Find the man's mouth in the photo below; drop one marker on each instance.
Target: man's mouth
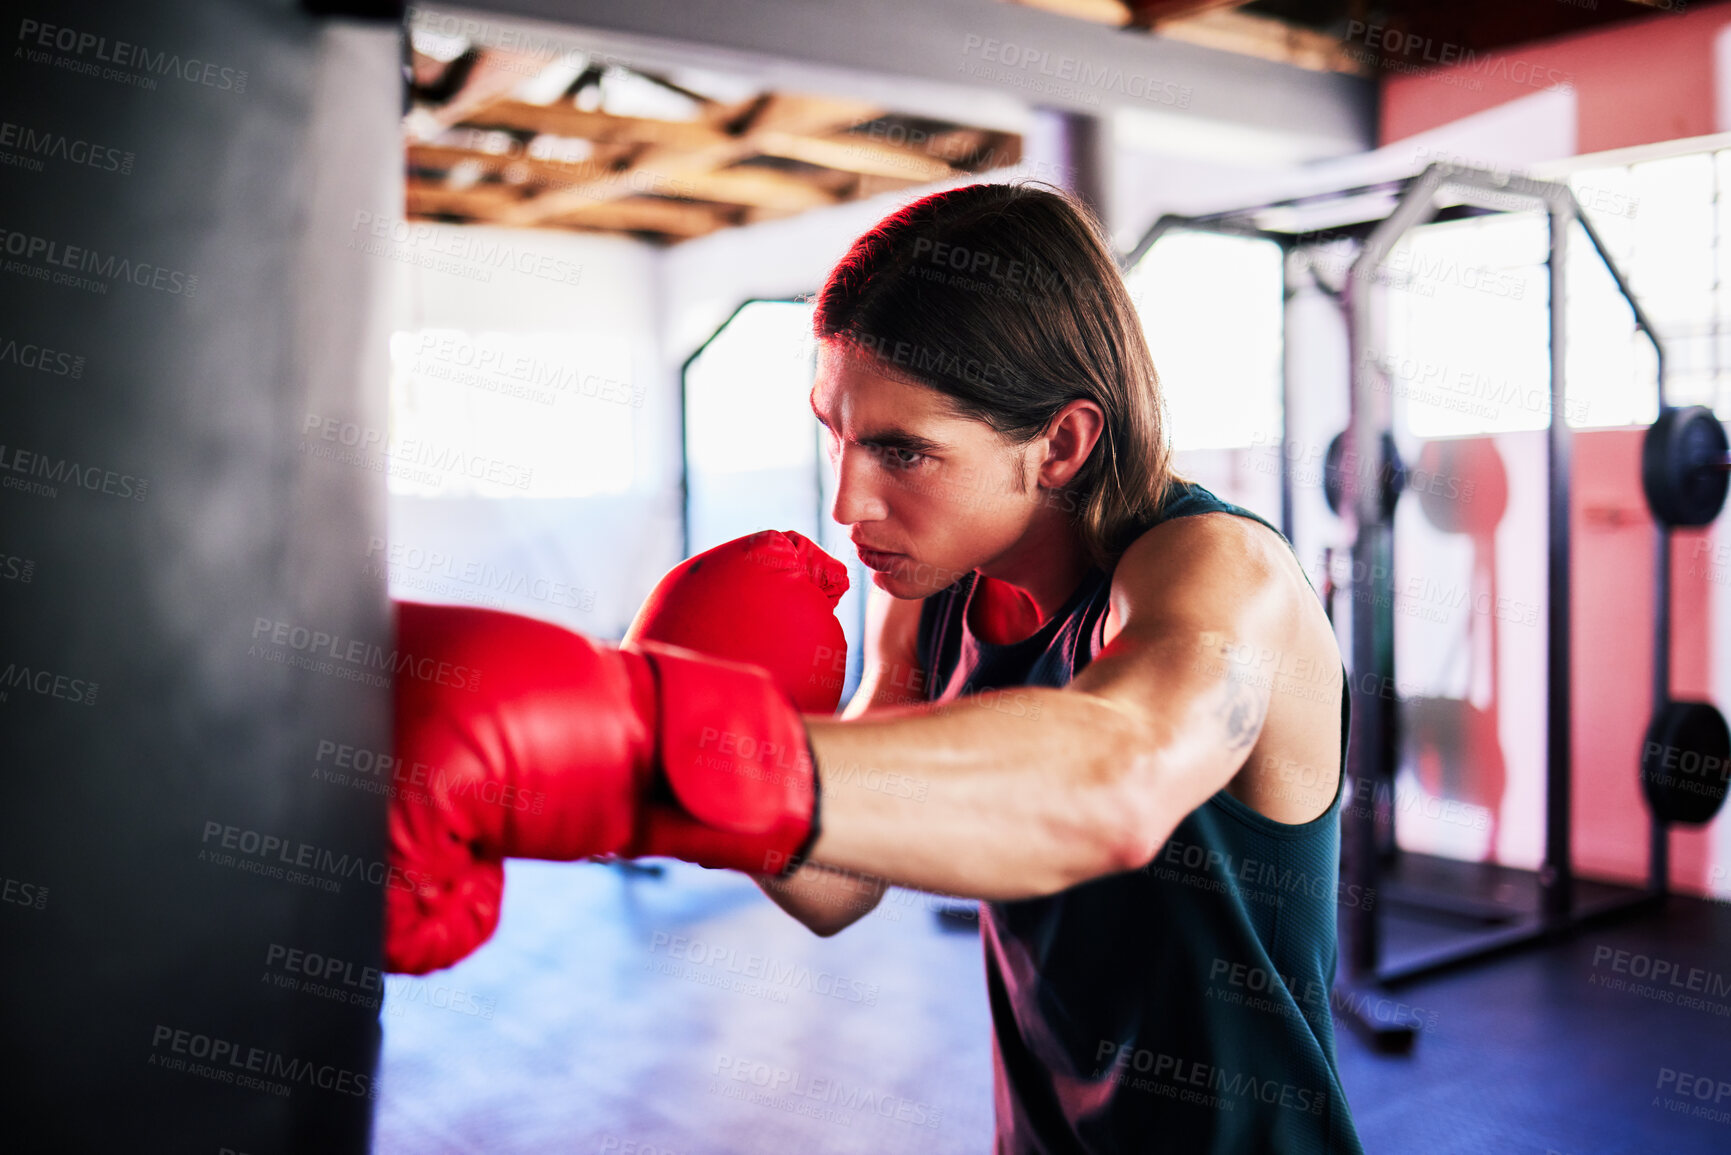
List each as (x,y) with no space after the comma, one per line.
(878,560)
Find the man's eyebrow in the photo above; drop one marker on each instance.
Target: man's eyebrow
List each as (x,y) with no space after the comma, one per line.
(889,437)
(893,438)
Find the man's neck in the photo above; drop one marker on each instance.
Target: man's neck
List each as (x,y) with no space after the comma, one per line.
(1031,581)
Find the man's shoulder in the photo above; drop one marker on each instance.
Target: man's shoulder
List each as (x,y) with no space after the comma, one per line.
(1207,537)
(1209,569)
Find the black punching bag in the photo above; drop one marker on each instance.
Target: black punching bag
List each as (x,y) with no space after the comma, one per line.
(190,905)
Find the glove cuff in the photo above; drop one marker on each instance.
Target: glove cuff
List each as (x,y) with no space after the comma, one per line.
(737,764)
(804,851)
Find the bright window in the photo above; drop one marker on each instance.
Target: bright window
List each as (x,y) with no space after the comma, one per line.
(1211,307)
(1611,367)
(1468,342)
(751,441)
(511,414)
(1473,359)
(745,393)
(1668,224)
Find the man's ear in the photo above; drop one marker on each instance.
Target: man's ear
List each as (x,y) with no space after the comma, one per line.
(1070,437)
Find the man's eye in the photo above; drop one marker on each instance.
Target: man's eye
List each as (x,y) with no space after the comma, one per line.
(902,458)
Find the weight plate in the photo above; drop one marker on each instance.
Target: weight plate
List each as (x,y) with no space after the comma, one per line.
(1685,762)
(1334,473)
(1678,459)
(1462,485)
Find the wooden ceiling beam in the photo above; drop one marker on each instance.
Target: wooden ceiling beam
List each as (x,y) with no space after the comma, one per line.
(483,203)
(603,127)
(781,114)
(668,218)
(976,149)
(1112,12)
(856,154)
(695,153)
(757,187)
(1153,13)
(493,78)
(804,115)
(514,169)
(530,174)
(666,171)
(1268,39)
(674,179)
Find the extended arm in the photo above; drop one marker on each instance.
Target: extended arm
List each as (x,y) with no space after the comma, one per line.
(1029,791)
(825,898)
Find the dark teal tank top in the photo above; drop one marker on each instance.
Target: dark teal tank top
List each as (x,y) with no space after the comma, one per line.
(1183,1007)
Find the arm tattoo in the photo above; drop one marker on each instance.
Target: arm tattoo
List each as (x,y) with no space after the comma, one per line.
(1242,711)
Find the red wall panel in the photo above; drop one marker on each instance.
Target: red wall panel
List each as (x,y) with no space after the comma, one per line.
(1635,83)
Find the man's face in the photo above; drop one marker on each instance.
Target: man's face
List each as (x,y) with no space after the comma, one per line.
(928,495)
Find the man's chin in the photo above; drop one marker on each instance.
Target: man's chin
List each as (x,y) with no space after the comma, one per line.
(890,584)
(905,581)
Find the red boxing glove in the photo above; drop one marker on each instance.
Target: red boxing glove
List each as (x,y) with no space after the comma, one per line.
(767,599)
(536,742)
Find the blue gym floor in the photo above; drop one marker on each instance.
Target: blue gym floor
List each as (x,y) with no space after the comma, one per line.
(685,1015)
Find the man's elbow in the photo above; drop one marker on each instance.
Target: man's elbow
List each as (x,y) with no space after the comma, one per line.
(1139,821)
(1137,845)
(1122,826)
(823,923)
(828,926)
(1112,846)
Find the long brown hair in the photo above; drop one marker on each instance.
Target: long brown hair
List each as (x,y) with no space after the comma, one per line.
(1006,299)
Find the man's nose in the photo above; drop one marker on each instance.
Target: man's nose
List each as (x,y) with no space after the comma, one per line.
(856,495)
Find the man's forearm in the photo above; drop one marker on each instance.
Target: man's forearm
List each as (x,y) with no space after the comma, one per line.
(1007,794)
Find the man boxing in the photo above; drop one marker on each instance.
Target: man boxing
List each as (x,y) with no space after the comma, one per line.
(1120,698)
